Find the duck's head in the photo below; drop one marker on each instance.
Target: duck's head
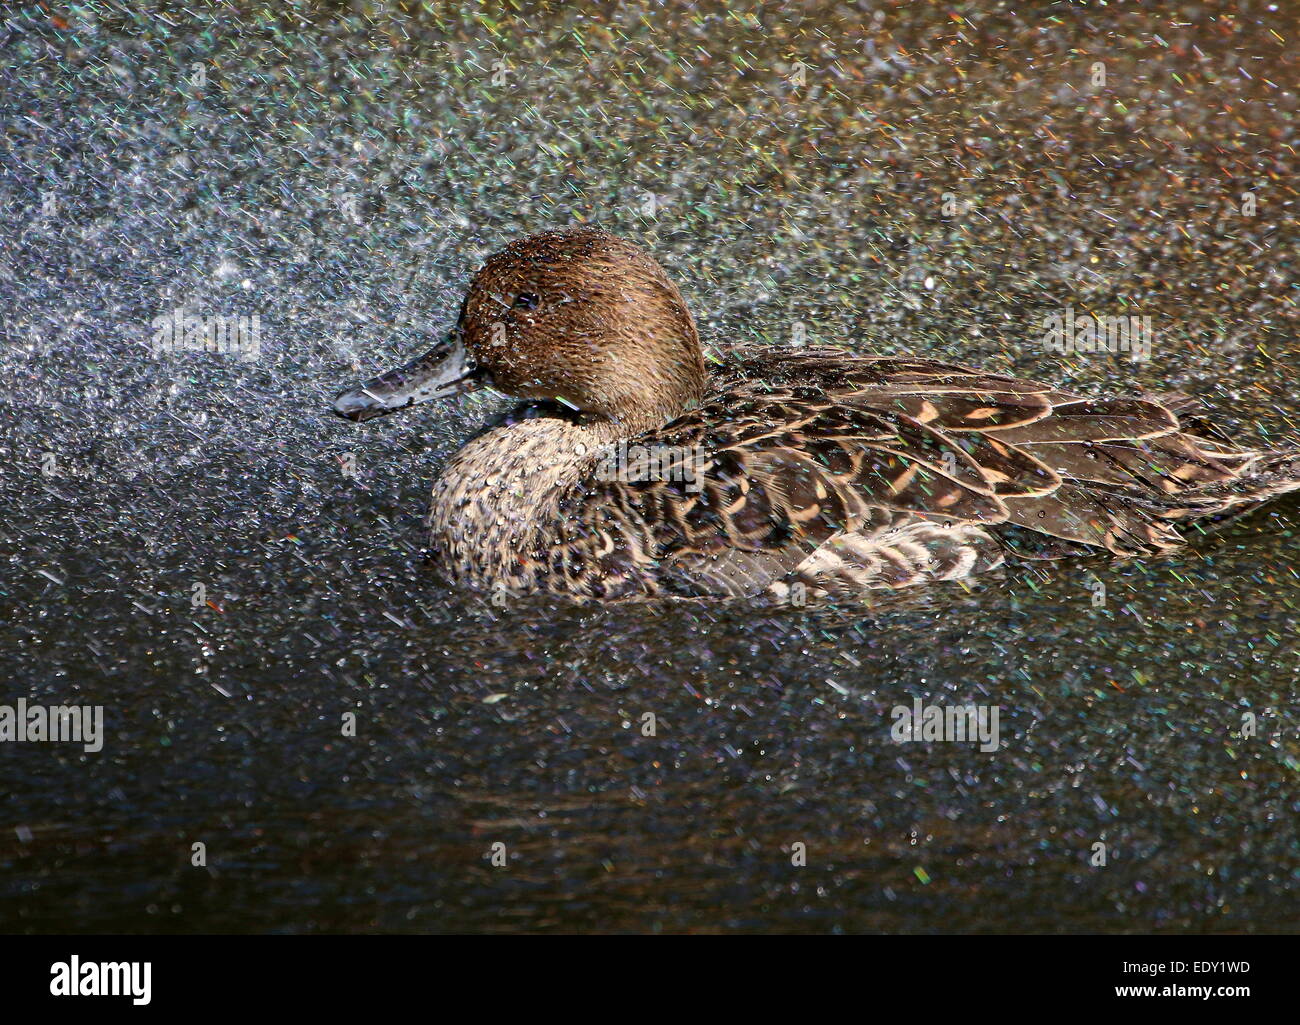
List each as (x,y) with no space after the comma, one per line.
(579,316)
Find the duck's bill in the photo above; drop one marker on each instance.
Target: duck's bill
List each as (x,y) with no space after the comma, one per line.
(442,371)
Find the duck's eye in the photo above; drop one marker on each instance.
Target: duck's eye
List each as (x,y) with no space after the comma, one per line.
(526,301)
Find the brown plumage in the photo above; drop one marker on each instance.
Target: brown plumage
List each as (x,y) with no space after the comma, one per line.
(794,473)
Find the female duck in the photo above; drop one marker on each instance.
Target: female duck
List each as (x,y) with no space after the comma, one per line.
(632,474)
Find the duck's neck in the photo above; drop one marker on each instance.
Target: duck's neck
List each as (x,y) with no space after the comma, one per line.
(498,497)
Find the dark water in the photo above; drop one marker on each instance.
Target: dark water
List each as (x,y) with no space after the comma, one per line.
(938,182)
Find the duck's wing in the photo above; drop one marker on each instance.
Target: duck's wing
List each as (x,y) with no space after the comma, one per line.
(909,467)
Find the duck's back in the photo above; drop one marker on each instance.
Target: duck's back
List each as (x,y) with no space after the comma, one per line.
(816,470)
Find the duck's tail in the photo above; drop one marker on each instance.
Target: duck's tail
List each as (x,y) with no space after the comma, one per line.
(1261,479)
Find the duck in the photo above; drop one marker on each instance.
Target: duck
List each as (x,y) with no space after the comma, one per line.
(632,470)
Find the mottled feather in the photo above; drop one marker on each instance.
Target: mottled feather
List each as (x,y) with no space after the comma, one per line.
(840,473)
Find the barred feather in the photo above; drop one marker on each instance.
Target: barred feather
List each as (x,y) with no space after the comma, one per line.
(847,473)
